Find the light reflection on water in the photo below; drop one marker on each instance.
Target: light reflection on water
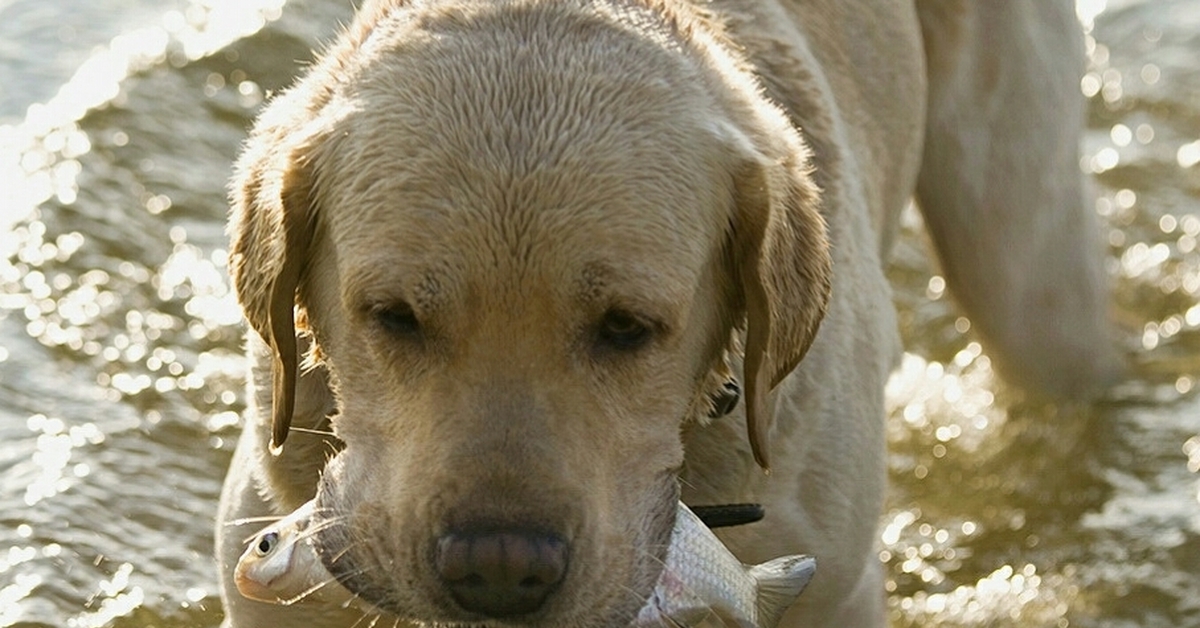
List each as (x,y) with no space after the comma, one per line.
(1004,513)
(120,370)
(121,375)
(38,156)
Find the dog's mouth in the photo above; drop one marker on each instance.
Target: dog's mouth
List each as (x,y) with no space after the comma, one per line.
(491,575)
(344,549)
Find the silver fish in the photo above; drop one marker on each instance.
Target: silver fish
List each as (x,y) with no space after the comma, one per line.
(281,564)
(702,582)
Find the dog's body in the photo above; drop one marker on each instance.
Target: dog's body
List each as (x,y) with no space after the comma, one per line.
(528,240)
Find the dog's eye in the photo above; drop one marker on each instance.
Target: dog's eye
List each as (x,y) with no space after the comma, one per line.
(623,331)
(396,318)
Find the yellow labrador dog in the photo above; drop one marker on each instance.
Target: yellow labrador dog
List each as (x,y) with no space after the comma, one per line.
(507,262)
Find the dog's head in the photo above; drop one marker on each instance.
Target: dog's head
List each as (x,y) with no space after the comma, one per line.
(522,235)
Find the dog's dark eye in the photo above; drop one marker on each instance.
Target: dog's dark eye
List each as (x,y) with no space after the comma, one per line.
(396,318)
(623,331)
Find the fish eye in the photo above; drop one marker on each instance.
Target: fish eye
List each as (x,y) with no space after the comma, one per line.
(266,543)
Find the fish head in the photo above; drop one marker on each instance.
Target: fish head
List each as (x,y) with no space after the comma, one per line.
(267,559)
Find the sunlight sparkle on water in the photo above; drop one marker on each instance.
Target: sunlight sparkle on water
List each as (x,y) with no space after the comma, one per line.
(117,599)
(1087,10)
(38,156)
(1191,449)
(1188,154)
(12,595)
(1104,160)
(1005,593)
(950,402)
(50,462)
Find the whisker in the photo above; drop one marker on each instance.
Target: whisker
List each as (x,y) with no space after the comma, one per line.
(363,618)
(324,524)
(372,614)
(342,553)
(648,554)
(318,524)
(309,430)
(632,593)
(668,621)
(250,539)
(317,587)
(665,621)
(329,523)
(248,520)
(356,597)
(268,519)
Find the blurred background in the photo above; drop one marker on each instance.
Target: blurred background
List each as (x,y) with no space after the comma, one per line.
(121,378)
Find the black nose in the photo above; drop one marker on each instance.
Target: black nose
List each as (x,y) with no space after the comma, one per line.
(501,572)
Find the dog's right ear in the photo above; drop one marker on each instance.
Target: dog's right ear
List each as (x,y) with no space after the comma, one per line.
(271,230)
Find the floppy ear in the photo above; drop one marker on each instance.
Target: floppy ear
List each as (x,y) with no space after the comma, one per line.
(783,265)
(271,230)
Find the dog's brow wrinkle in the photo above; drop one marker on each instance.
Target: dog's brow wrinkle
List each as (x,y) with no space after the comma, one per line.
(592,282)
(428,291)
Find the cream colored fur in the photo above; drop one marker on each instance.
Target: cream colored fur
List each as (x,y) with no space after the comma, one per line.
(460,195)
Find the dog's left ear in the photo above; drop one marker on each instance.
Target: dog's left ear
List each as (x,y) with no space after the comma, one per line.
(783,265)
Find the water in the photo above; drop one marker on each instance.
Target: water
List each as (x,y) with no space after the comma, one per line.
(121,377)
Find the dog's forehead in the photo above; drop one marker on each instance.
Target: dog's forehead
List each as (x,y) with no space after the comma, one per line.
(498,96)
(485,152)
(534,236)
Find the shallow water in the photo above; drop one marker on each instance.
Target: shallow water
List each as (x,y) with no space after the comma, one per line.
(121,378)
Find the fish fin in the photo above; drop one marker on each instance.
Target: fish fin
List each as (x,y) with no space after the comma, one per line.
(780,582)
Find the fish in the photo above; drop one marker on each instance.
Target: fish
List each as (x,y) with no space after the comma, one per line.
(702,583)
(281,564)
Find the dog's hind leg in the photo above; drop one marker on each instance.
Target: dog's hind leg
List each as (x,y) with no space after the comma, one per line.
(1001,189)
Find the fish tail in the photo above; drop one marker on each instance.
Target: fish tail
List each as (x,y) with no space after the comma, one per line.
(780,582)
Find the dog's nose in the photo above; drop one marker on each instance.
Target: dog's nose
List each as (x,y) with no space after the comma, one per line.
(501,572)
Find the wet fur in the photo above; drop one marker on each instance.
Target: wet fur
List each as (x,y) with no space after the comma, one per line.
(713,172)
